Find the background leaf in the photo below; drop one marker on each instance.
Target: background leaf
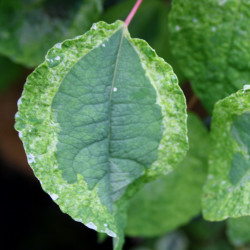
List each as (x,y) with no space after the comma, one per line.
(227,189)
(166,203)
(28,28)
(238,230)
(210,39)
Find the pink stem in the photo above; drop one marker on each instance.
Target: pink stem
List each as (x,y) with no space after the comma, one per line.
(132,12)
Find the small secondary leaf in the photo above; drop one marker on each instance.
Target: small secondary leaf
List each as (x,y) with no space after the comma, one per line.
(171,201)
(28,28)
(210,39)
(102,114)
(227,190)
(239,230)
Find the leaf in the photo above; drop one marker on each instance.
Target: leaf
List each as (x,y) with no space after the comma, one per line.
(100,116)
(203,232)
(227,189)
(210,39)
(166,203)
(9,72)
(150,23)
(238,230)
(28,28)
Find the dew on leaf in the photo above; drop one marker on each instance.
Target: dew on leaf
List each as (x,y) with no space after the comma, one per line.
(94,26)
(222,2)
(30,158)
(19,101)
(58,45)
(91,225)
(110,233)
(246,87)
(177,27)
(53,61)
(54,197)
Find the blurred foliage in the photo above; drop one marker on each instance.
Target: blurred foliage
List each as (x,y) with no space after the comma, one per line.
(28,28)
(239,231)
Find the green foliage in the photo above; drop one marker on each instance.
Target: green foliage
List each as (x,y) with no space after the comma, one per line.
(103,119)
(98,132)
(28,28)
(239,230)
(177,197)
(210,39)
(226,193)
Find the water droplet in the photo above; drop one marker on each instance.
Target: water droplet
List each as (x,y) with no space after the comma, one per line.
(54,196)
(246,87)
(94,26)
(30,158)
(177,28)
(114,89)
(222,2)
(53,61)
(19,102)
(91,225)
(58,45)
(110,233)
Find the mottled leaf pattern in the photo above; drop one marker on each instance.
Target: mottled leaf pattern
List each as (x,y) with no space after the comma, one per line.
(100,116)
(227,190)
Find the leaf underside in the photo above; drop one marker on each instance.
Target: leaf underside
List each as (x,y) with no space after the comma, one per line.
(226,193)
(100,115)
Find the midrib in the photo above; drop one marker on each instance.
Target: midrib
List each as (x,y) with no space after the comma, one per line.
(110,97)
